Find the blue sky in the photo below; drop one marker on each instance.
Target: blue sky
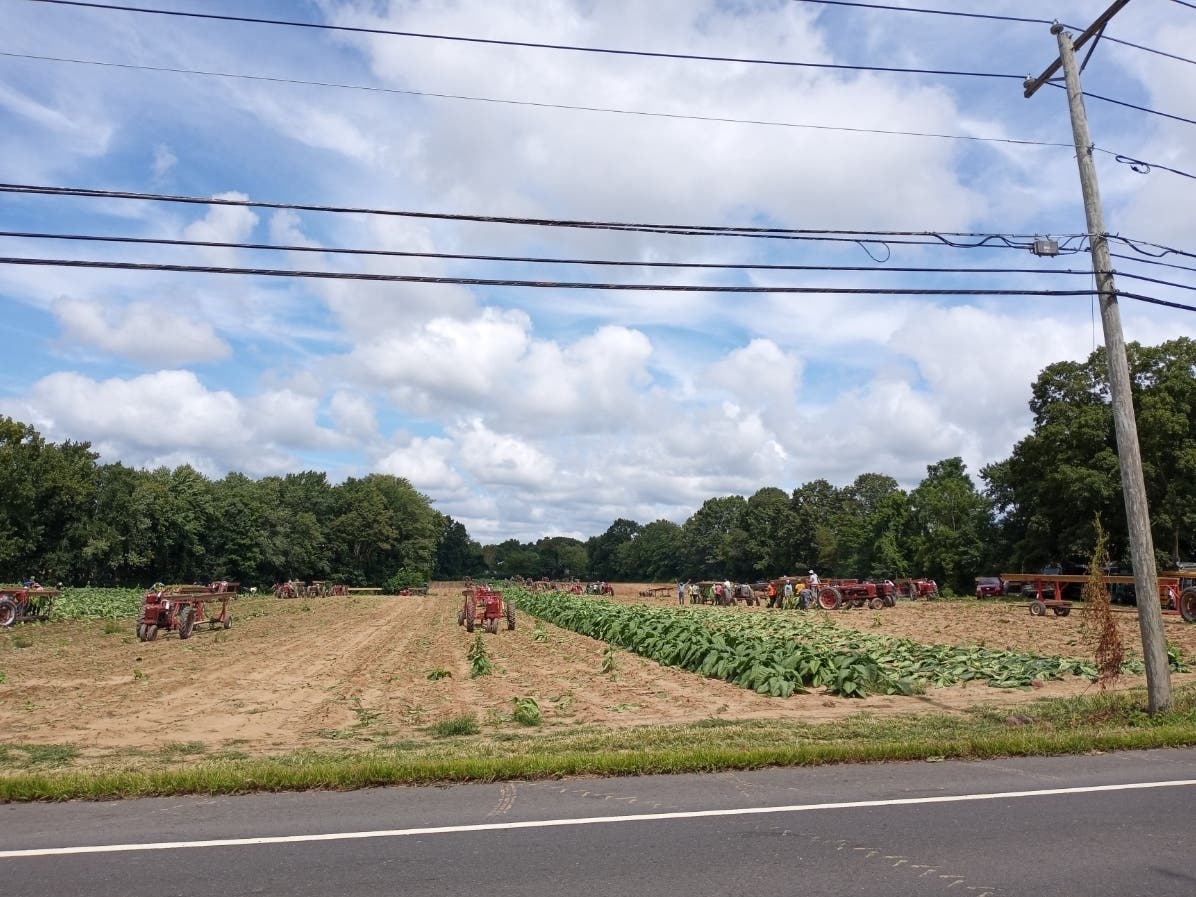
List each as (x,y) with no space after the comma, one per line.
(534,412)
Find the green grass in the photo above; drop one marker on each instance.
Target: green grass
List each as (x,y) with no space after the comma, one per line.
(458,752)
(466,724)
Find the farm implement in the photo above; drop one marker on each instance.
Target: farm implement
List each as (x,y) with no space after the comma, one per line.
(1177,591)
(21,603)
(182,608)
(485,607)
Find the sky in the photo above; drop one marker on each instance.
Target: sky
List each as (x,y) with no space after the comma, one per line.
(532,412)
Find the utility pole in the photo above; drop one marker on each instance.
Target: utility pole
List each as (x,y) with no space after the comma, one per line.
(1133,483)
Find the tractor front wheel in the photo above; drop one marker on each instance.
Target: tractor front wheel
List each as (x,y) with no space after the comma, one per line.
(141,632)
(1187,604)
(186,622)
(876,603)
(151,632)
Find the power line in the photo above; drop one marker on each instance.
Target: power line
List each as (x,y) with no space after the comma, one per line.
(931,238)
(530,284)
(625,263)
(1141,166)
(936,12)
(1186,3)
(1155,262)
(531,44)
(1128,105)
(568,285)
(999,18)
(541,105)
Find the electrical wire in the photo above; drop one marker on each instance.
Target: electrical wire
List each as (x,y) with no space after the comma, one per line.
(1155,262)
(1187,4)
(540,105)
(625,263)
(999,18)
(532,44)
(530,284)
(1128,105)
(1141,166)
(567,285)
(923,238)
(1164,251)
(935,12)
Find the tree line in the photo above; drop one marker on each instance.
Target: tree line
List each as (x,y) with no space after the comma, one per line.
(65,516)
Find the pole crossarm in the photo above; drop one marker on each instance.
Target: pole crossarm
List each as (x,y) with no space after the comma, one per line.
(1032,84)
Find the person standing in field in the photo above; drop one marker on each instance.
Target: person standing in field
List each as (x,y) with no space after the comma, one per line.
(787,593)
(772,594)
(681,587)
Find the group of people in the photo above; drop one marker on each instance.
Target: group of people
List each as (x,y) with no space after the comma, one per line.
(726,593)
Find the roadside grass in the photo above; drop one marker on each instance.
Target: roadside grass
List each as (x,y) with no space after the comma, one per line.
(1095,723)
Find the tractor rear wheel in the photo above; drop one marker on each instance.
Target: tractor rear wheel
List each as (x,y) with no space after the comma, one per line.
(830,598)
(1037,608)
(8,611)
(1187,604)
(186,622)
(471,612)
(151,632)
(509,611)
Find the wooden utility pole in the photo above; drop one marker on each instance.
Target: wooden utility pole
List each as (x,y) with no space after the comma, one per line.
(1133,483)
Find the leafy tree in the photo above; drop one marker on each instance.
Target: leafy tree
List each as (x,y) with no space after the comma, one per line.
(655,554)
(948,518)
(561,556)
(458,555)
(601,549)
(767,520)
(715,541)
(814,538)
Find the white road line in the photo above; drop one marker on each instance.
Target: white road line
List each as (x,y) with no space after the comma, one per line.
(588,820)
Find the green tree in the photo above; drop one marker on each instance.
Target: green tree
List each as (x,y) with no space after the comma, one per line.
(768,521)
(948,518)
(458,555)
(715,542)
(601,549)
(655,553)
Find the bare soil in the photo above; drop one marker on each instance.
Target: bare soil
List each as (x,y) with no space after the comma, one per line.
(319,673)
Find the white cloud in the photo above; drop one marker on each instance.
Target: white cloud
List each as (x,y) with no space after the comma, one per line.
(164,160)
(140,332)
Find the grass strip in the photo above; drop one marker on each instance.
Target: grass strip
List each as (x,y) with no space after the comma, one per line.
(1052,727)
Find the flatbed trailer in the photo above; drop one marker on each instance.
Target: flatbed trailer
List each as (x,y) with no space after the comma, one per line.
(1177,591)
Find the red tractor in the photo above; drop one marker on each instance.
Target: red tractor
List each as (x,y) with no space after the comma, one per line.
(838,593)
(19,603)
(182,608)
(485,606)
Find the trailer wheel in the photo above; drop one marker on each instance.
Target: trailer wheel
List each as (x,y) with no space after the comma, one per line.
(470,614)
(1187,604)
(186,622)
(876,603)
(830,598)
(151,632)
(1037,608)
(8,611)
(509,609)
(1061,611)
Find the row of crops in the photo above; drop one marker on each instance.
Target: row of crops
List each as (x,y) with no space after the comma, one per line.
(781,654)
(93,603)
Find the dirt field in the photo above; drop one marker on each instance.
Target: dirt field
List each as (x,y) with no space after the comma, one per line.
(354,673)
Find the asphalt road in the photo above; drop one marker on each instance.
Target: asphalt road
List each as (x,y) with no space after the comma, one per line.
(1053,826)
